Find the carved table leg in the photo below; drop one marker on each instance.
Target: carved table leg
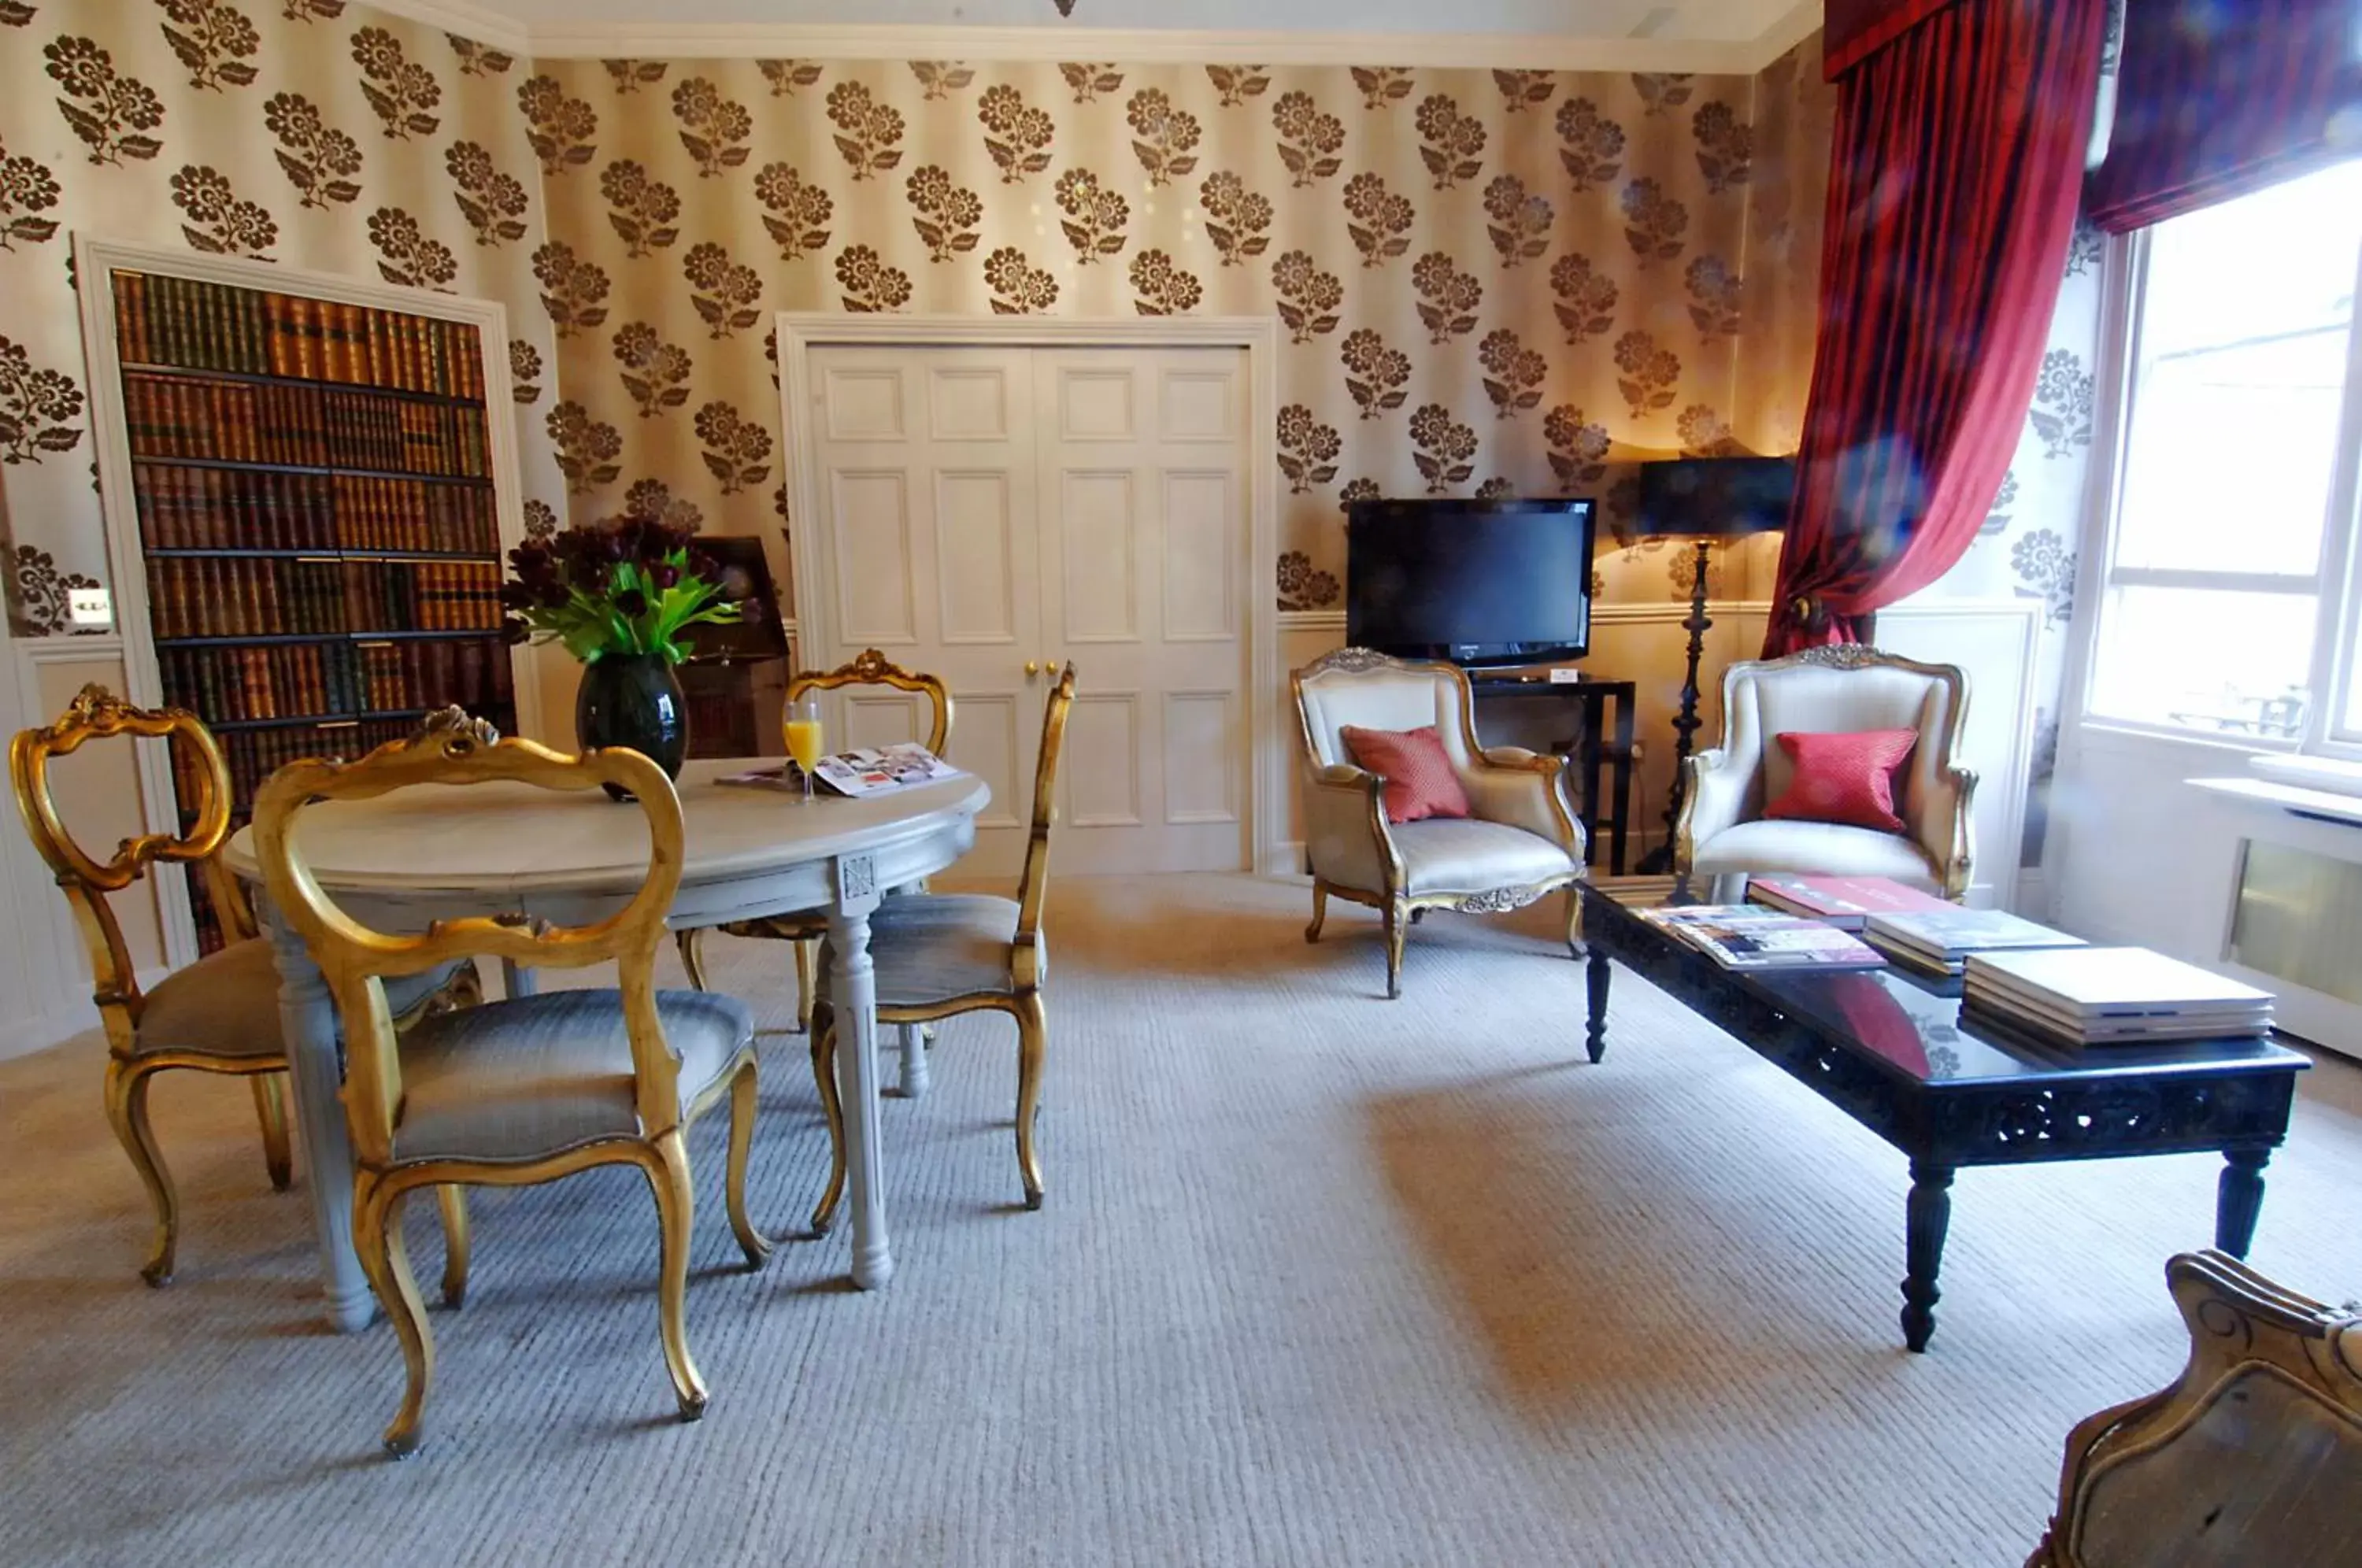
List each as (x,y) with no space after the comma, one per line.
(1927,1215)
(914,1062)
(307,1019)
(2239,1198)
(853,987)
(1594,964)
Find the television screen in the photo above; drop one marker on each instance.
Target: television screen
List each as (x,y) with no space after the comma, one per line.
(1474,581)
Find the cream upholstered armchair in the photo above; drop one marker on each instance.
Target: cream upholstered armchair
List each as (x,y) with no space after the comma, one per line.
(1522,842)
(1722,830)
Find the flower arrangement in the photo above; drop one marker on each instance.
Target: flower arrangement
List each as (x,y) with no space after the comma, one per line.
(626,585)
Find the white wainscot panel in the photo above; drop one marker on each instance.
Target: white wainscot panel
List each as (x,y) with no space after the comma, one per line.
(871,513)
(1101,766)
(1196,406)
(1201,549)
(1200,745)
(1095,405)
(887,717)
(976,573)
(1097,522)
(984,740)
(865,404)
(968,403)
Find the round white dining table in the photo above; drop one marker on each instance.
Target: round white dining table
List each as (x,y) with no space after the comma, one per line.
(441,851)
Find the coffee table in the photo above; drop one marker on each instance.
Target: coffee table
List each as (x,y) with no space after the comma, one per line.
(1889,1049)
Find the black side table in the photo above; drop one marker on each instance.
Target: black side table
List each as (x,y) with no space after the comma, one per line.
(1588,751)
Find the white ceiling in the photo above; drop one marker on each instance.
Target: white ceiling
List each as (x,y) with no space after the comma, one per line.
(1701,35)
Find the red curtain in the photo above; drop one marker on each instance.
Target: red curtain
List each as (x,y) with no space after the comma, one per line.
(2217,99)
(1853,30)
(1958,162)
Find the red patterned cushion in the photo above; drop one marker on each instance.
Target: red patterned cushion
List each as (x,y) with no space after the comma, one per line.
(1421,781)
(1847,778)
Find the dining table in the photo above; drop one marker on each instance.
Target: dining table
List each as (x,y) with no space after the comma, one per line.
(405,859)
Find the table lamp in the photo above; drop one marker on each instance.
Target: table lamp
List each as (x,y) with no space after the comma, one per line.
(1705,499)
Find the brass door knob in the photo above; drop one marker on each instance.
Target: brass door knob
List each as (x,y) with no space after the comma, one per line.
(1032,667)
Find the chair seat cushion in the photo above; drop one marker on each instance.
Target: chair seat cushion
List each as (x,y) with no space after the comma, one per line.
(227,1003)
(931,947)
(1826,849)
(518,1080)
(1466,855)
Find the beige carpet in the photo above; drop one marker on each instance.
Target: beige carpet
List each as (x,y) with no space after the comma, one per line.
(1320,1279)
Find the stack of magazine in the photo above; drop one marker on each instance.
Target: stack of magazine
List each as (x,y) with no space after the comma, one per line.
(2101,996)
(1747,937)
(1939,942)
(868,770)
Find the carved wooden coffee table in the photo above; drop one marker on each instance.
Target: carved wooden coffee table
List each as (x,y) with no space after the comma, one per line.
(1890,1051)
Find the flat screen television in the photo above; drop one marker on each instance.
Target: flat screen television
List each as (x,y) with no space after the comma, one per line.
(1475,582)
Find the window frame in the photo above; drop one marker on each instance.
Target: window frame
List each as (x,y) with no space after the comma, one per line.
(2335,582)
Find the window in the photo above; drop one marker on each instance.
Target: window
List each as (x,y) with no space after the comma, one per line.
(2226,606)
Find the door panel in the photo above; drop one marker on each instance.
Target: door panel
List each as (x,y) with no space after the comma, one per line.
(992,509)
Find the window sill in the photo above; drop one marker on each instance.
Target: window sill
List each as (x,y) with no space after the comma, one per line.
(2320,774)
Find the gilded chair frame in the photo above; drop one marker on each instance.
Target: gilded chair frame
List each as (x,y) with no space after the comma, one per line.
(454,750)
(2242,1326)
(88,885)
(1400,908)
(806,927)
(1954,873)
(1024,1000)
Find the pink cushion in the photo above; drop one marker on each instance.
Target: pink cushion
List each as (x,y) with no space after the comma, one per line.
(1847,778)
(1421,780)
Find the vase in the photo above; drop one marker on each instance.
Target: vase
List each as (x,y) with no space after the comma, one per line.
(635,701)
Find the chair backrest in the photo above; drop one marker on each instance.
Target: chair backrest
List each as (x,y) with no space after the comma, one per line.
(874,668)
(97,713)
(1373,691)
(1034,886)
(2253,1455)
(454,749)
(1843,688)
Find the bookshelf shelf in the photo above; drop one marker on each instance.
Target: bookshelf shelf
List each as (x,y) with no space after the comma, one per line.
(311,484)
(263,379)
(244,465)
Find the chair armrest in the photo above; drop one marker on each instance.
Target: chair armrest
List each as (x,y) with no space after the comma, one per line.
(1345,831)
(1948,830)
(1527,789)
(1714,796)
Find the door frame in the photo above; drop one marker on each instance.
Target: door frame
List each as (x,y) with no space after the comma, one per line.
(803,331)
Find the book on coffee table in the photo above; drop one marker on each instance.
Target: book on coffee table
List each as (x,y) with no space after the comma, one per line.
(1938,941)
(1747,937)
(1846,902)
(2096,996)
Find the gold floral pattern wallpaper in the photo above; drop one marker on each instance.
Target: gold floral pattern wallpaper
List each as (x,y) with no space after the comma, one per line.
(1487,282)
(311,133)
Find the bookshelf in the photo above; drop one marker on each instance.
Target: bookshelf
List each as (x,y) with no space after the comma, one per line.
(310,486)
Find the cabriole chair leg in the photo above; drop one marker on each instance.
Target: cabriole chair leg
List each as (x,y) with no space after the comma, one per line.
(1033,1038)
(126,1112)
(271,1110)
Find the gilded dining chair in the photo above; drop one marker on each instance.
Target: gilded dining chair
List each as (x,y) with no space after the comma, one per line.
(219,1014)
(939,954)
(522,1091)
(806,927)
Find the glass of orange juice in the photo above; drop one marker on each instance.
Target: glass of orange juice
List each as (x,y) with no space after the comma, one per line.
(804,738)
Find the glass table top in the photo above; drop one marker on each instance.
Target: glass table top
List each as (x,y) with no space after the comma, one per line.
(1911,1025)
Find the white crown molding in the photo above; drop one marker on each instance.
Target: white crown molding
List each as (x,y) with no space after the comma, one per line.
(1142,46)
(480,23)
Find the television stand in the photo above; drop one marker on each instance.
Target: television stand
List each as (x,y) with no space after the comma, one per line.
(1586,752)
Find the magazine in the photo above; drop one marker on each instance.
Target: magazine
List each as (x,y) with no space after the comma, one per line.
(1846,902)
(881,771)
(866,770)
(1749,937)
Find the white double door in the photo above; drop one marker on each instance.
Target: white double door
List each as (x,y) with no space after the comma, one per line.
(992,514)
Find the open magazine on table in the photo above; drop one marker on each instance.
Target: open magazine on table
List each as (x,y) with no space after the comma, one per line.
(863,771)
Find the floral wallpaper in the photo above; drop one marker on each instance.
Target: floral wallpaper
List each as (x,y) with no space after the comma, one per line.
(320,135)
(1487,282)
(2027,548)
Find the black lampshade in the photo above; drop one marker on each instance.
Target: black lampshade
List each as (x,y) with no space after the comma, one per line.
(1715,497)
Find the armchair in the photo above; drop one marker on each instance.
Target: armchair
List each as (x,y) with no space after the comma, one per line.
(1722,830)
(1524,840)
(2253,1455)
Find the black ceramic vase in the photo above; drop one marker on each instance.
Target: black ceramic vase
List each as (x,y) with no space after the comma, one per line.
(634,700)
